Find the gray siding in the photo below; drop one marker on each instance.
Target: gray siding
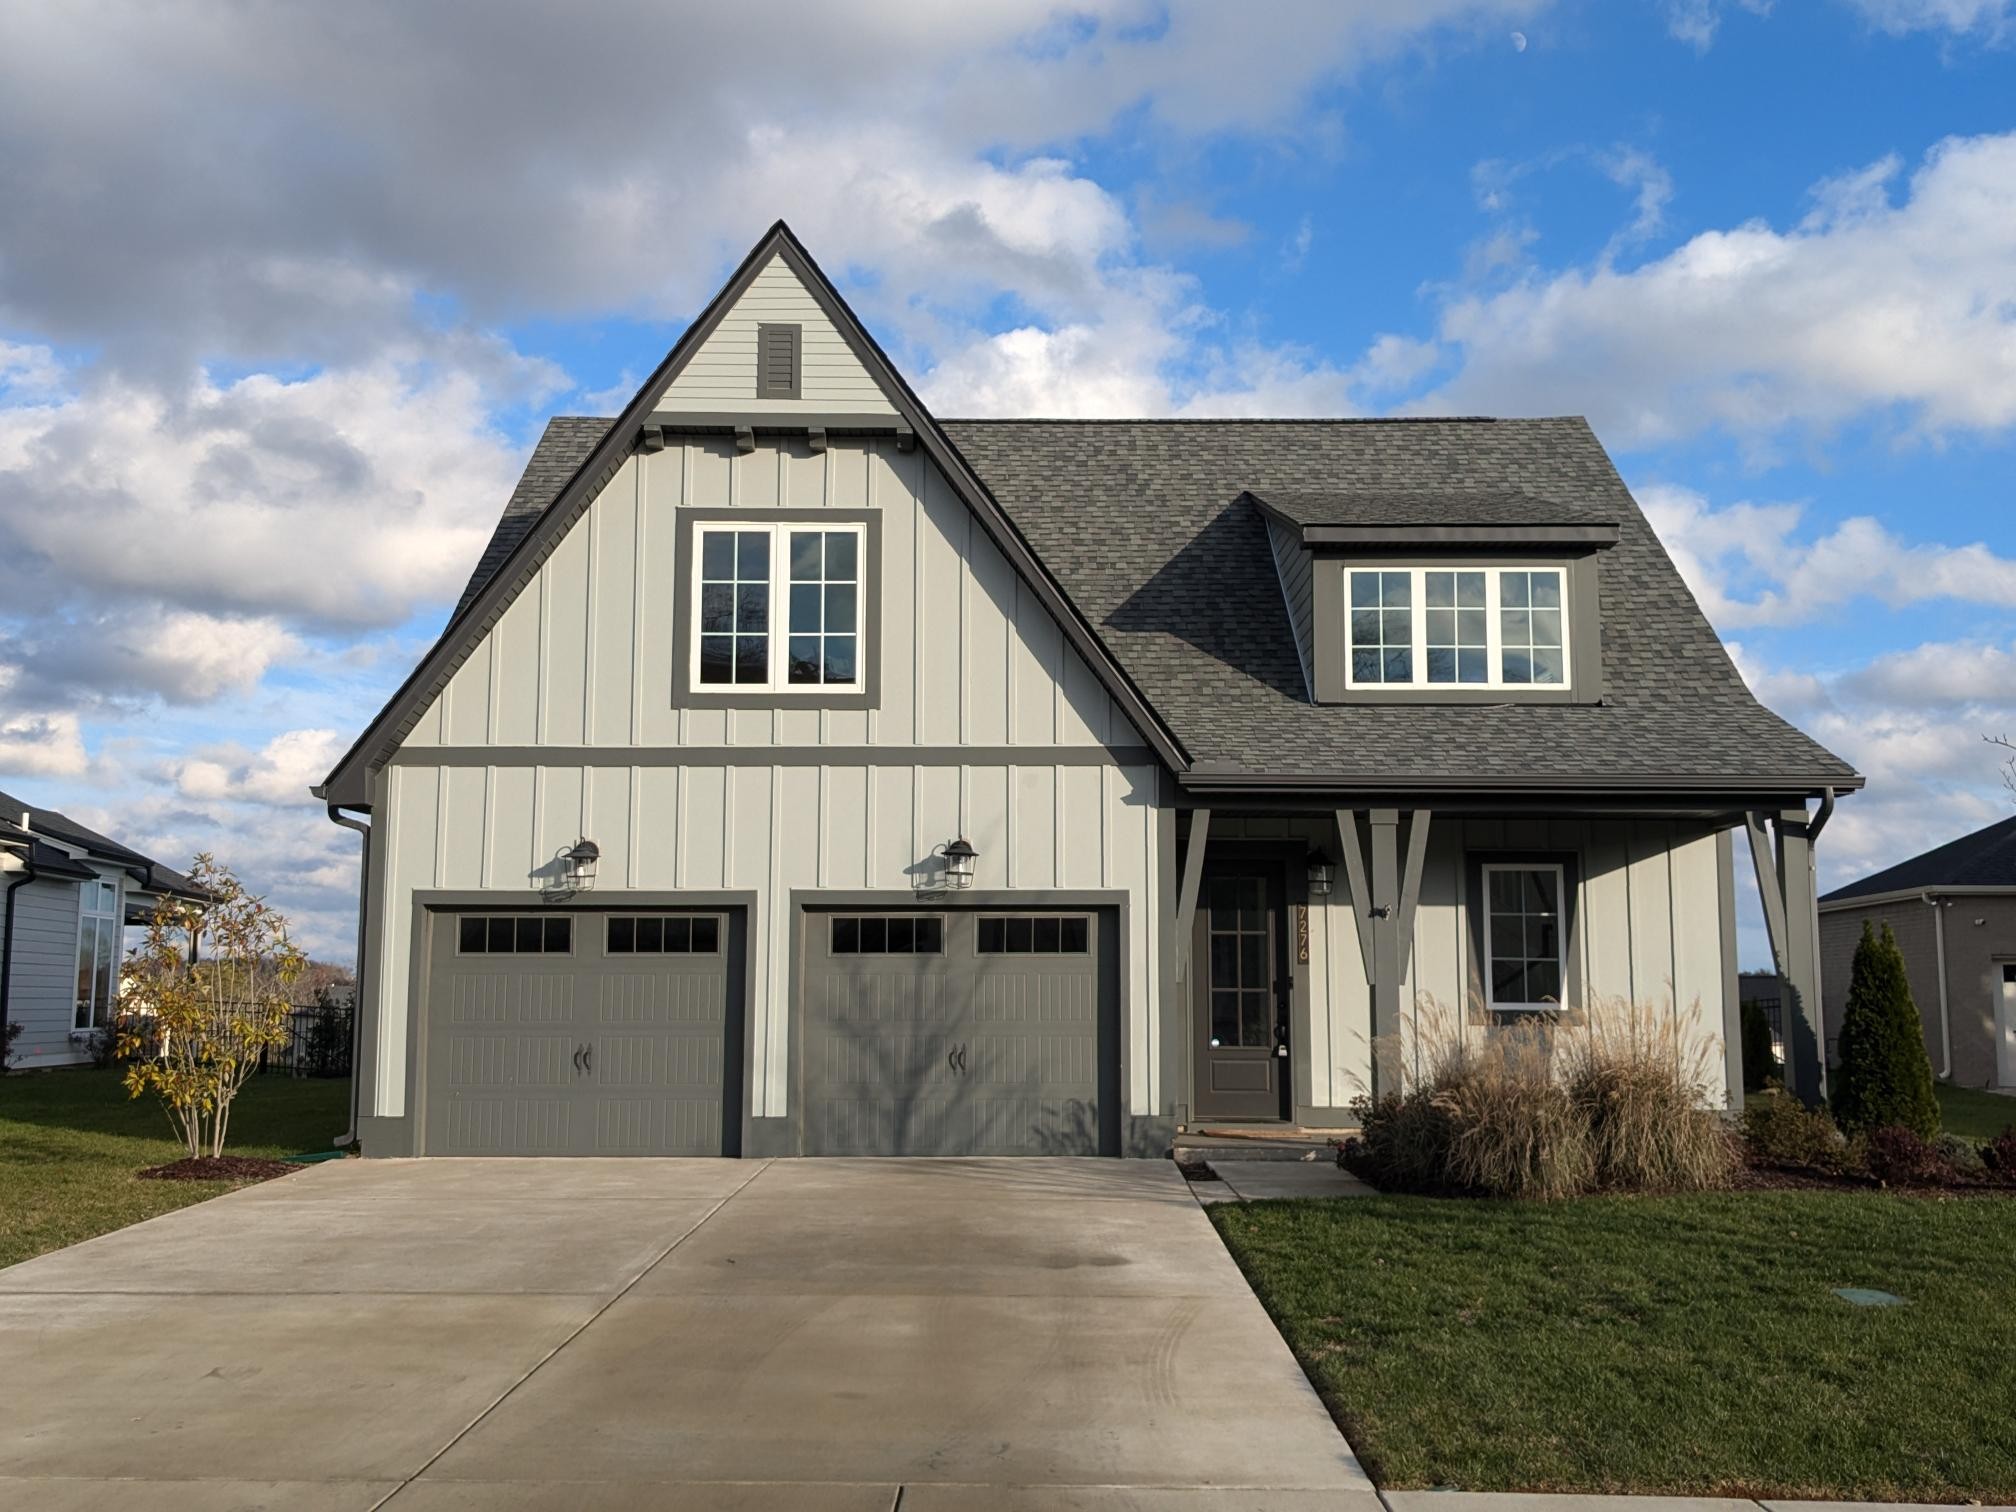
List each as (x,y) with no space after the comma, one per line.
(1650,932)
(1980,939)
(969,656)
(1292,561)
(722,374)
(44,972)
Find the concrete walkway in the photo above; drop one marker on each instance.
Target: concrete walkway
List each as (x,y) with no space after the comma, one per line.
(526,1335)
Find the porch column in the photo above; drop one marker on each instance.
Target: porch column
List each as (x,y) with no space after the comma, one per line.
(1384,918)
(1805,1044)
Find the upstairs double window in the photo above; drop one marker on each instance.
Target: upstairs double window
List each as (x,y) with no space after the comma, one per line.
(778,608)
(1478,627)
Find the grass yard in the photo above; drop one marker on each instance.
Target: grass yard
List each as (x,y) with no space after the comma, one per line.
(1970,1111)
(1686,1345)
(70,1142)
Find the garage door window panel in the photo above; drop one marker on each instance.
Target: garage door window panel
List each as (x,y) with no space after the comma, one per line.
(482,934)
(903,934)
(1035,934)
(664,934)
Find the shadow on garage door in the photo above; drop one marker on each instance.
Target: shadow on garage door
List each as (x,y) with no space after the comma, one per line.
(959,1031)
(577,1031)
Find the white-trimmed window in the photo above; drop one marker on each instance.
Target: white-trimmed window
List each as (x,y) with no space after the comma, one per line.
(777,608)
(98,952)
(1522,931)
(1477,627)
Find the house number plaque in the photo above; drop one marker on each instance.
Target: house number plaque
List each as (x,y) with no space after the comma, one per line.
(1302,934)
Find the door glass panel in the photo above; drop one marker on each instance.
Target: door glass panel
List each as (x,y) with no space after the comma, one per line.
(1242,1008)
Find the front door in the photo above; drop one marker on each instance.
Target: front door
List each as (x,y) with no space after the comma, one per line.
(1241,998)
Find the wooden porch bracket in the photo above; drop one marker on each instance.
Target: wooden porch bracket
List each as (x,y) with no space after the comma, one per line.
(1354,877)
(1786,884)
(1410,883)
(1186,894)
(1769,889)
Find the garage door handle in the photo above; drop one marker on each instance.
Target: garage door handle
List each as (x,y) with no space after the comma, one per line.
(579,1051)
(588,1058)
(956,1059)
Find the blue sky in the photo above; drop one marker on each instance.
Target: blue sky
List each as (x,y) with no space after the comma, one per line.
(285,298)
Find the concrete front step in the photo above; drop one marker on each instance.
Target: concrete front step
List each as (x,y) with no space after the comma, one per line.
(1299,1144)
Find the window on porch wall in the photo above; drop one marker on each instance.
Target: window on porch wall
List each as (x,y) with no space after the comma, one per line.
(1523,935)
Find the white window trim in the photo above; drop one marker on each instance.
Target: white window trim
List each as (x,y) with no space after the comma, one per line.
(778,682)
(101,1013)
(1560,939)
(1494,646)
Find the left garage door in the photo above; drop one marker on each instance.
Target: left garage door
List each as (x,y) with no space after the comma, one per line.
(581,1032)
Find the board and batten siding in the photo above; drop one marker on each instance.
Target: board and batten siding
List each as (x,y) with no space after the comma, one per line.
(43,968)
(721,376)
(773,830)
(583,656)
(1649,931)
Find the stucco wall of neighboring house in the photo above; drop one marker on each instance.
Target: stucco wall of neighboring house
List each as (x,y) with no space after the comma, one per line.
(1647,928)
(564,723)
(43,972)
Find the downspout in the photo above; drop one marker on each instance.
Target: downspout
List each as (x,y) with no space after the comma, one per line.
(26,875)
(1945,1011)
(349,1137)
(1820,817)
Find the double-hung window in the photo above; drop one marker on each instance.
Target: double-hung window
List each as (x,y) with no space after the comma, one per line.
(98,941)
(1523,907)
(778,607)
(1476,627)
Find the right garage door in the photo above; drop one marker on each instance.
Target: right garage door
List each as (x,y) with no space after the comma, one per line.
(965,1032)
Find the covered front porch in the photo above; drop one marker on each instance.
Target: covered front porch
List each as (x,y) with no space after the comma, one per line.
(1317,949)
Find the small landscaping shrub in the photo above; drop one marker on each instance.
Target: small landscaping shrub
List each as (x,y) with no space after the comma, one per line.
(1899,1157)
(1631,1077)
(1402,1144)
(1761,1066)
(1962,1155)
(1885,1078)
(13,1033)
(2000,1154)
(1781,1130)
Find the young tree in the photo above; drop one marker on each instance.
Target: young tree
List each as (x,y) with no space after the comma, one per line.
(1885,1078)
(206,993)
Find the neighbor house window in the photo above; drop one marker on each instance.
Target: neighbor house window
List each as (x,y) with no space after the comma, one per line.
(97,953)
(1479,627)
(778,608)
(1523,935)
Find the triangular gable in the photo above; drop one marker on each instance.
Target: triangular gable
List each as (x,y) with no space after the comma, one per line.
(662,393)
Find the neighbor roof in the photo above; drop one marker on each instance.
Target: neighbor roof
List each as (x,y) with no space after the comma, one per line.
(1986,858)
(48,824)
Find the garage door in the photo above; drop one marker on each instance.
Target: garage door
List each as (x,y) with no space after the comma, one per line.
(958,1033)
(582,1033)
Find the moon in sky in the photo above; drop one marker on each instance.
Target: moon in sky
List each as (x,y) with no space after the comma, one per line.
(1518,41)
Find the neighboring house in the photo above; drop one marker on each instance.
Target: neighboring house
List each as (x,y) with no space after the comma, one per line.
(70,894)
(1953,910)
(1253,739)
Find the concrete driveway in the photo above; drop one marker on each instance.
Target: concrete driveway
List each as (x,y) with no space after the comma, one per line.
(518,1335)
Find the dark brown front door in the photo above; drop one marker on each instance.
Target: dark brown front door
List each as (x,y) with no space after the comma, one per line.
(1242,1009)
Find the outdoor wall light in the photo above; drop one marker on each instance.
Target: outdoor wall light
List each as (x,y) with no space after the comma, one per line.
(959,858)
(581,862)
(1320,867)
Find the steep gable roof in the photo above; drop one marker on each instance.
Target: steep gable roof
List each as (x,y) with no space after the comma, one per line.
(1986,858)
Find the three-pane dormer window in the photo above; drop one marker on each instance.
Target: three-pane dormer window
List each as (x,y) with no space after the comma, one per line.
(1480,627)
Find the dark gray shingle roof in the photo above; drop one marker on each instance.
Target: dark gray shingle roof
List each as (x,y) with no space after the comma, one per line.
(1432,506)
(1986,858)
(557,457)
(1144,525)
(56,826)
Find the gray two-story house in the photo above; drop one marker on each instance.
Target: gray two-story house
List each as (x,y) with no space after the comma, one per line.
(803,774)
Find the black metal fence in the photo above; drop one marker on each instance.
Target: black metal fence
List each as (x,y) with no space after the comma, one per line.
(317,1043)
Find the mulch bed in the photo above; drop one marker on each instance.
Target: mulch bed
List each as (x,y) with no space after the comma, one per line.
(1780,1178)
(220,1168)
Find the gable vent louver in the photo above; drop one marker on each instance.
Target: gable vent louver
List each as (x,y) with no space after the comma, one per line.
(777,351)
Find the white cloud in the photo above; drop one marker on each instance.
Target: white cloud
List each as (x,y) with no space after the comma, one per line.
(279,774)
(1696,22)
(1868,305)
(46,744)
(1992,20)
(1748,565)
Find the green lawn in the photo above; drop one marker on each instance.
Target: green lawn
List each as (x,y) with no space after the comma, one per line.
(1970,1111)
(1686,1345)
(70,1142)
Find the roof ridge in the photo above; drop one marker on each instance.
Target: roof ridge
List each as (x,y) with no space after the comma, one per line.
(1248,419)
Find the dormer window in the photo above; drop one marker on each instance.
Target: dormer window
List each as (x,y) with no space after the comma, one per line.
(1479,627)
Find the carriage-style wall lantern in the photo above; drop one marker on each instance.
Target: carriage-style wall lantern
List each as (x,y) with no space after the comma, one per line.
(959,858)
(581,863)
(1320,868)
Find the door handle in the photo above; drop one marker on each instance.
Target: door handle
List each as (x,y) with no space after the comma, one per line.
(577,1058)
(588,1058)
(955,1060)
